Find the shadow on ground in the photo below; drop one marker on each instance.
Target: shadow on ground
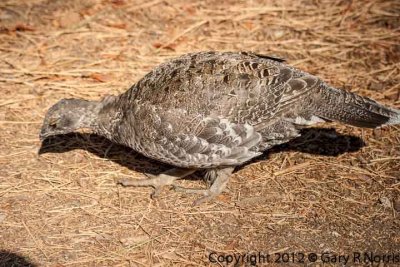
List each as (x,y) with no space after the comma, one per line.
(11,259)
(318,141)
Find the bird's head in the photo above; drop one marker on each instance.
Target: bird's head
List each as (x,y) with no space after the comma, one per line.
(66,116)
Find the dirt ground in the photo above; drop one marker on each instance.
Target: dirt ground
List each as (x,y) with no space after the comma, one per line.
(334,191)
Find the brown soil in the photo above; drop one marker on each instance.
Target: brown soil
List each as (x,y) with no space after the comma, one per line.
(326,192)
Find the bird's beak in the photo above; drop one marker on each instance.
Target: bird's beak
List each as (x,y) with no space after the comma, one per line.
(43,135)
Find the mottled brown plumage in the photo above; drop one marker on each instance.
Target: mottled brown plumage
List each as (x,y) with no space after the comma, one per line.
(214,111)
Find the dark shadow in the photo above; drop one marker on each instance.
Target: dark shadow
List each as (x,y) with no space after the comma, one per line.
(102,148)
(11,259)
(319,141)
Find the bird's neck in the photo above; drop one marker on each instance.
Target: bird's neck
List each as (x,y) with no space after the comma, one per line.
(89,117)
(106,115)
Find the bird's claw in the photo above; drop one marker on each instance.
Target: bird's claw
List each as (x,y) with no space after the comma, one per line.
(156,192)
(208,194)
(158,182)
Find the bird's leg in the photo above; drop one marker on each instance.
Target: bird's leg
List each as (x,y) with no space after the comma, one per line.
(158,181)
(218,185)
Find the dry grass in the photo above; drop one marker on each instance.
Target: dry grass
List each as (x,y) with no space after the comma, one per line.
(64,209)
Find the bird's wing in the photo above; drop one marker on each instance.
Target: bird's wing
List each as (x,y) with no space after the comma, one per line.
(242,87)
(270,91)
(201,142)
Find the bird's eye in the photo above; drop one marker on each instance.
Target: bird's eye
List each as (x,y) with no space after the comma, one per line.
(53,122)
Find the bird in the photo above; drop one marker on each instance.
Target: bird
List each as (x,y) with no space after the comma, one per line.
(213,111)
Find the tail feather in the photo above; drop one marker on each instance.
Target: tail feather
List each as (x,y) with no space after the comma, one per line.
(350,108)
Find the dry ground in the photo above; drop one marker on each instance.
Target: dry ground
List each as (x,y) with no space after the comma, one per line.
(324,192)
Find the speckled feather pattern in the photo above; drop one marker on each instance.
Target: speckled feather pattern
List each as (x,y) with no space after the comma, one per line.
(211,109)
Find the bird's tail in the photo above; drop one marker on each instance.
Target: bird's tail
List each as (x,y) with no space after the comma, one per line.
(340,105)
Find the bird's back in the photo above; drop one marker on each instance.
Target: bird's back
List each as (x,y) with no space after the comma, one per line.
(211,83)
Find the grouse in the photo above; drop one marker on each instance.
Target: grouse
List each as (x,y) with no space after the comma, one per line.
(213,111)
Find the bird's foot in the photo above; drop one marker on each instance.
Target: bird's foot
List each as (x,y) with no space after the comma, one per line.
(208,194)
(158,182)
(215,189)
